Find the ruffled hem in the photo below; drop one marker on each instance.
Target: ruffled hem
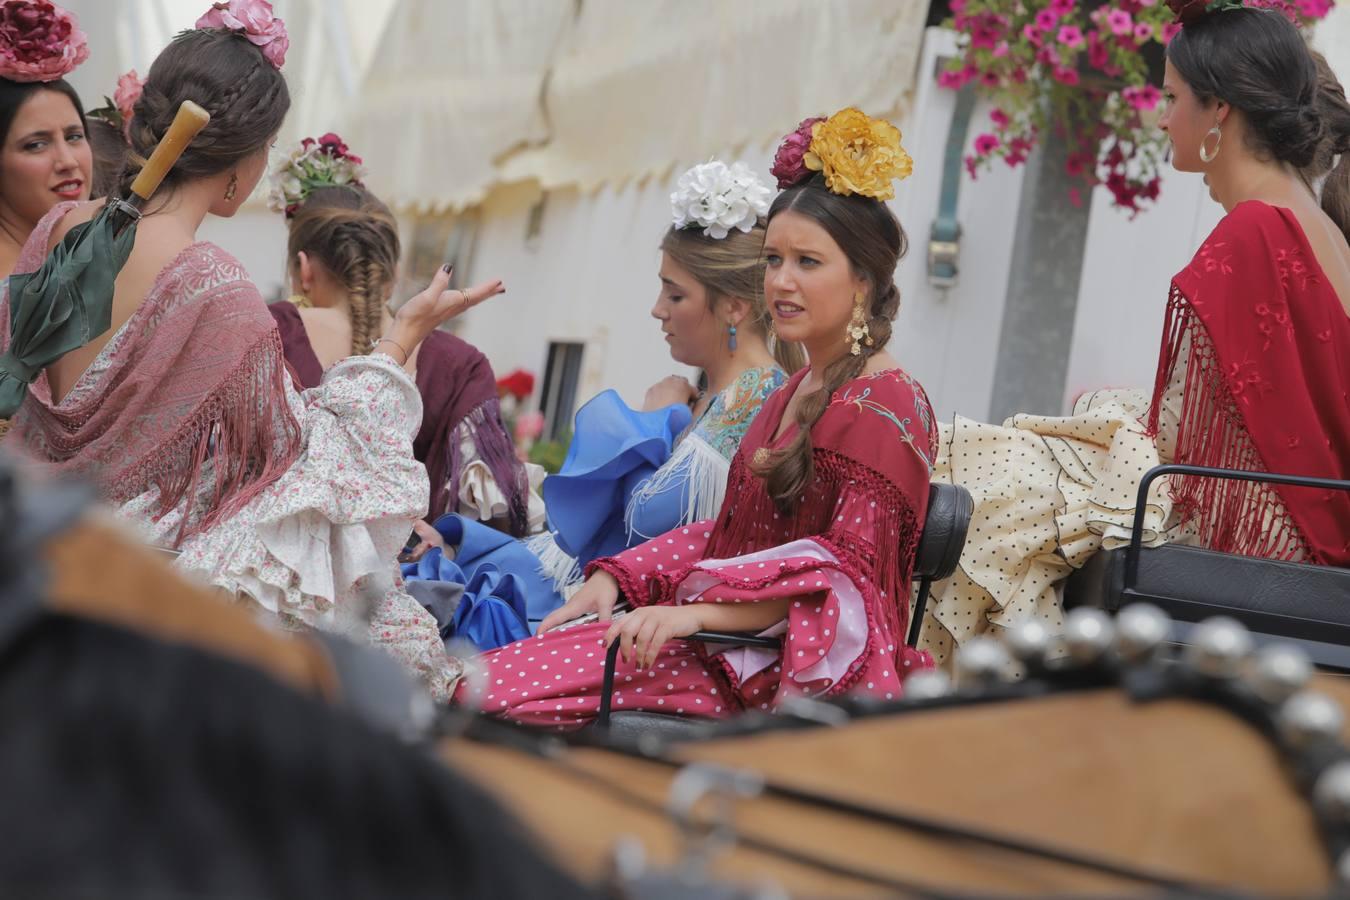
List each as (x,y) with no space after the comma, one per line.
(1049,492)
(317,547)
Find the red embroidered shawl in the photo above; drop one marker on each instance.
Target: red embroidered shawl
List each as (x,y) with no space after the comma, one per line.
(1267,387)
(196,380)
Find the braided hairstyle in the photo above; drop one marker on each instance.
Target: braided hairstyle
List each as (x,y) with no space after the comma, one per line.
(732,266)
(354,236)
(229,77)
(1257,61)
(871,237)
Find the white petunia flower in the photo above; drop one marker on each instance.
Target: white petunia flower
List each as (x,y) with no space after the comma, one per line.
(718,198)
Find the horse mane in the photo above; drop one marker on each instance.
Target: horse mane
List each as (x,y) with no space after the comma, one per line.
(136,768)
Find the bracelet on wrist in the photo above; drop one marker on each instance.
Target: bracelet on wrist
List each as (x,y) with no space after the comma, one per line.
(385,340)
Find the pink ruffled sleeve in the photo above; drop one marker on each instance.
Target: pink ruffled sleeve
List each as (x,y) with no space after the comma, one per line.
(644,571)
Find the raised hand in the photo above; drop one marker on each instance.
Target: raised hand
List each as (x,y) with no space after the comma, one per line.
(423,313)
(439,303)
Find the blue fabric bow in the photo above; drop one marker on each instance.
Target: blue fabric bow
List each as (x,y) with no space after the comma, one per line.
(504,596)
(614,450)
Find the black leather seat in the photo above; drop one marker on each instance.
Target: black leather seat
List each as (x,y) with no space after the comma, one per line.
(944,535)
(1299,602)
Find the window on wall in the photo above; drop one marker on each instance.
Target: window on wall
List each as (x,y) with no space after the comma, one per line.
(562,375)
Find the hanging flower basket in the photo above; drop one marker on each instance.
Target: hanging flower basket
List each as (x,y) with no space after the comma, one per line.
(1081,72)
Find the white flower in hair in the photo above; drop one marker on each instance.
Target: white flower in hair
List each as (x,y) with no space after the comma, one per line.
(719,197)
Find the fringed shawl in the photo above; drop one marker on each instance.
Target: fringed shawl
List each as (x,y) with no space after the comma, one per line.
(190,397)
(1267,388)
(875,439)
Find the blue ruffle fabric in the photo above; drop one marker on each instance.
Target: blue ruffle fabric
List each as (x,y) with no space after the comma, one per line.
(614,450)
(504,596)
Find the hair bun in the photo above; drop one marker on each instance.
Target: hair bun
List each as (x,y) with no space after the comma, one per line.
(1296,132)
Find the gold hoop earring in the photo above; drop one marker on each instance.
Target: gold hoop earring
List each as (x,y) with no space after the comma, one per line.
(1205,155)
(232,187)
(857,333)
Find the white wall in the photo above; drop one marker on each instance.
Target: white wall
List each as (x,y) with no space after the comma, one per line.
(1127,267)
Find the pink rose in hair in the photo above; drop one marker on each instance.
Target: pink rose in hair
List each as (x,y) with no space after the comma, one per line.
(789,165)
(39,41)
(254,20)
(129,88)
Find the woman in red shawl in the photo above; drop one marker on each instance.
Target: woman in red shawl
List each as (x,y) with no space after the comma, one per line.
(825,499)
(1254,372)
(344,250)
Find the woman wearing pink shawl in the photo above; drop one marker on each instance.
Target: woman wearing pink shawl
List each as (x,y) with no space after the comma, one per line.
(183,414)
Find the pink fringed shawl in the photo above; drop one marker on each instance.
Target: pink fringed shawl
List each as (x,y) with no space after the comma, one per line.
(1267,388)
(190,398)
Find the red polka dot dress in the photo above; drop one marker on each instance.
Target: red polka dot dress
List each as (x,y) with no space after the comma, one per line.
(842,558)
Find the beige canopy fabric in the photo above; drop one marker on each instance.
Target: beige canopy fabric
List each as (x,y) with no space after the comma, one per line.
(454,85)
(469,94)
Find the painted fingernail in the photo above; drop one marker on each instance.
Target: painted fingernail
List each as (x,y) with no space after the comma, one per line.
(447,268)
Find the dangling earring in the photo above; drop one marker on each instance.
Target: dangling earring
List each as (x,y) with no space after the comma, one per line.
(301,301)
(731,339)
(1206,156)
(231,187)
(857,328)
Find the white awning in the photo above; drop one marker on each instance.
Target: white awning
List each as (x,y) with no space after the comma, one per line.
(466,95)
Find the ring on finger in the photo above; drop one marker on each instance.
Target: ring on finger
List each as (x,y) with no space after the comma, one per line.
(465,295)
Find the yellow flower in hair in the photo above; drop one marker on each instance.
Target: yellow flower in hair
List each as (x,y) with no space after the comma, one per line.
(858,154)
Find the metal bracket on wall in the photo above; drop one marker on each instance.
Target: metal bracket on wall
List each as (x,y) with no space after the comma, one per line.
(944,242)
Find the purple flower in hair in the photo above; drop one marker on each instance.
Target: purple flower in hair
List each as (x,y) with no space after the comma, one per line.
(789,166)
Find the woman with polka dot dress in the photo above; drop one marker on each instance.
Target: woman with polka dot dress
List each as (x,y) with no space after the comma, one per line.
(825,500)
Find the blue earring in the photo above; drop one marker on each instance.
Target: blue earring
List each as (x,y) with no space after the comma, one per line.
(732,342)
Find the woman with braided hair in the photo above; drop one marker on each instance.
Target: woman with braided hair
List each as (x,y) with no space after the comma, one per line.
(825,500)
(344,251)
(183,413)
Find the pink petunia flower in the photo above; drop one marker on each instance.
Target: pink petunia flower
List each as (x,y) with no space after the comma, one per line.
(1061,8)
(1071,36)
(1046,20)
(255,20)
(999,118)
(1141,98)
(1098,57)
(1119,21)
(986,144)
(1314,9)
(1143,31)
(1065,75)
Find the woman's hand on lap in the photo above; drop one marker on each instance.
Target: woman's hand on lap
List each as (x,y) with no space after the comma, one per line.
(598,595)
(643,632)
